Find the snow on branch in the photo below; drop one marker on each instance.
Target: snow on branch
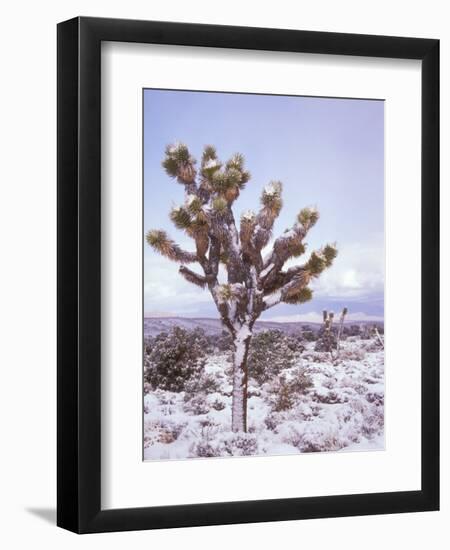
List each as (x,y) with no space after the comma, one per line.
(179,164)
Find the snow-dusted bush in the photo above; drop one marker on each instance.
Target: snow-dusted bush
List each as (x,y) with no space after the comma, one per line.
(197,390)
(207,444)
(175,358)
(308,334)
(223,342)
(271,351)
(162,431)
(218,404)
(352,354)
(205,449)
(315,403)
(371,346)
(196,405)
(326,340)
(352,330)
(203,383)
(286,390)
(240,444)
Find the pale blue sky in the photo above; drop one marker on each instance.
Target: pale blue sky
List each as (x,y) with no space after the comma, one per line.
(327,152)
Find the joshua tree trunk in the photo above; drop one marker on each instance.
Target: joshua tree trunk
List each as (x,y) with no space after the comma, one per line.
(241,346)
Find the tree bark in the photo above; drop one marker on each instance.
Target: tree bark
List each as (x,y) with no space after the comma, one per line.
(241,344)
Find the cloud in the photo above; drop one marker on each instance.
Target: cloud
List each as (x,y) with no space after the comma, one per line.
(357,275)
(166,290)
(357,272)
(311,317)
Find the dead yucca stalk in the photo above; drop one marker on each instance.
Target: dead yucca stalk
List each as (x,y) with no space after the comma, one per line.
(378,335)
(341,327)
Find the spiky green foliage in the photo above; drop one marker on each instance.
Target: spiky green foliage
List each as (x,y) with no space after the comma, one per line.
(308,217)
(248,221)
(320,260)
(248,217)
(210,166)
(224,292)
(226,180)
(179,152)
(299,297)
(221,183)
(160,242)
(296,248)
(209,152)
(178,163)
(194,204)
(219,205)
(271,197)
(181,217)
(236,161)
(316,264)
(233,176)
(329,252)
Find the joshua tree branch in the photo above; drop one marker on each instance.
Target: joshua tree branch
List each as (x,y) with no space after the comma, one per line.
(289,292)
(192,277)
(160,242)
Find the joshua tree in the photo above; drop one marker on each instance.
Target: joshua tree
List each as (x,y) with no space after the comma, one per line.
(255,283)
(327,340)
(341,326)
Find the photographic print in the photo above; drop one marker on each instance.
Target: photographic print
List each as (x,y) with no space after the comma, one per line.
(263,278)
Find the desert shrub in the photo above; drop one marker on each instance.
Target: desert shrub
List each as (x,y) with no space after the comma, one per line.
(285,392)
(318,442)
(330,397)
(240,444)
(270,352)
(352,354)
(197,390)
(207,444)
(218,405)
(326,340)
(352,330)
(212,444)
(204,449)
(203,383)
(308,334)
(316,357)
(162,431)
(148,344)
(366,332)
(223,342)
(196,405)
(375,397)
(371,346)
(175,358)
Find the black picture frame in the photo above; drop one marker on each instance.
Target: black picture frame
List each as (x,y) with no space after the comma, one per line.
(79,280)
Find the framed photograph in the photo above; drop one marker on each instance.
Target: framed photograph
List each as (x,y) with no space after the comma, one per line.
(248,275)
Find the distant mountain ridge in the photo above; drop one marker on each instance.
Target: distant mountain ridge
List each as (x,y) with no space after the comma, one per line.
(155,325)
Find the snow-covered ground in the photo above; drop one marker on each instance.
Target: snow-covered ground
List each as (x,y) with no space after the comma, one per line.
(318,404)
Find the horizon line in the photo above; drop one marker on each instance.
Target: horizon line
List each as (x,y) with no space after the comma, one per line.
(374,320)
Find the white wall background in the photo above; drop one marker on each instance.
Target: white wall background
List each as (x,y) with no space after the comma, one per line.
(28,274)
